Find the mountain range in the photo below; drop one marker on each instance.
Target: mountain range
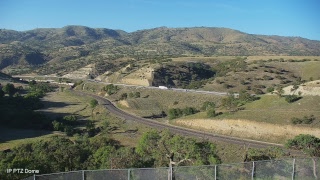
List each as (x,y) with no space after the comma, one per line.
(58,45)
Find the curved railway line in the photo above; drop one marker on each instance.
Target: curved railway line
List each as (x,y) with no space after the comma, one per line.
(177,129)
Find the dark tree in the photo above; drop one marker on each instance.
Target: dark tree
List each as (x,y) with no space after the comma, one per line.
(9,89)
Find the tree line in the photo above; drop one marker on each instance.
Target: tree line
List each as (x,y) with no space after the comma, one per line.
(59,154)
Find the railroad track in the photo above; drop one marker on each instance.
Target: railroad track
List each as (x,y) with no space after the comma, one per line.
(176,129)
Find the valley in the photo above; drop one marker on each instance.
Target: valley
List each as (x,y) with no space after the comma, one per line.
(119,91)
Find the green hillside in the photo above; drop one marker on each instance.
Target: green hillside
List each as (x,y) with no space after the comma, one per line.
(50,50)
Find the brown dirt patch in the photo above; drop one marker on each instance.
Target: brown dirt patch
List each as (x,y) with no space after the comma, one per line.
(250,129)
(124,103)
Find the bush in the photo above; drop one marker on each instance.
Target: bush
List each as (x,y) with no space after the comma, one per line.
(71,118)
(295,120)
(292,98)
(111,89)
(308,120)
(188,111)
(123,96)
(207,105)
(93,103)
(137,94)
(270,89)
(177,112)
(211,113)
(304,120)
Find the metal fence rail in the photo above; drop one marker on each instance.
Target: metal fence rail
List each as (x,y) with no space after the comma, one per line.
(273,169)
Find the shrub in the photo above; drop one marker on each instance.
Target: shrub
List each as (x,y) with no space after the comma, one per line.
(188,111)
(304,120)
(123,96)
(71,118)
(111,89)
(137,94)
(93,103)
(207,105)
(211,112)
(177,112)
(292,98)
(295,120)
(270,89)
(308,120)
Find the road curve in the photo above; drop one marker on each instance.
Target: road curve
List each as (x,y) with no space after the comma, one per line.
(177,129)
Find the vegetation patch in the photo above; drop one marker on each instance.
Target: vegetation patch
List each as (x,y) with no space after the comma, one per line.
(177,112)
(154,149)
(304,120)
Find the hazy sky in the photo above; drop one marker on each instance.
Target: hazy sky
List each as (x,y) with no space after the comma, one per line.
(270,17)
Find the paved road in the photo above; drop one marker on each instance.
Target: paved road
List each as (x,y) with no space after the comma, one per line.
(137,86)
(176,129)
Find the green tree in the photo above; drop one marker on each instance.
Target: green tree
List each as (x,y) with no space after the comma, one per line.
(111,89)
(309,144)
(93,103)
(148,143)
(264,154)
(270,89)
(57,126)
(230,102)
(292,98)
(175,113)
(188,111)
(244,96)
(208,105)
(211,113)
(9,89)
(165,148)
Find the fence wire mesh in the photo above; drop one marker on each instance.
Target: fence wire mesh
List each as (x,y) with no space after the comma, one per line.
(275,169)
(76,175)
(307,169)
(190,173)
(235,171)
(116,174)
(155,174)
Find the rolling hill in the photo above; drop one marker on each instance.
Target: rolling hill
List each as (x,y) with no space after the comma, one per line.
(83,45)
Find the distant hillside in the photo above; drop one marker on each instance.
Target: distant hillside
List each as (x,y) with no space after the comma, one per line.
(84,45)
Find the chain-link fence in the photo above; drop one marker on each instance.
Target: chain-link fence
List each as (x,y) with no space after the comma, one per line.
(304,169)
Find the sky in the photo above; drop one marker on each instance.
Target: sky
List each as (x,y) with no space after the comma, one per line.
(269,17)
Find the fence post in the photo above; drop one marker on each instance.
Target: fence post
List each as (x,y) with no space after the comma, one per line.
(171,172)
(215,172)
(129,172)
(252,173)
(293,168)
(83,177)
